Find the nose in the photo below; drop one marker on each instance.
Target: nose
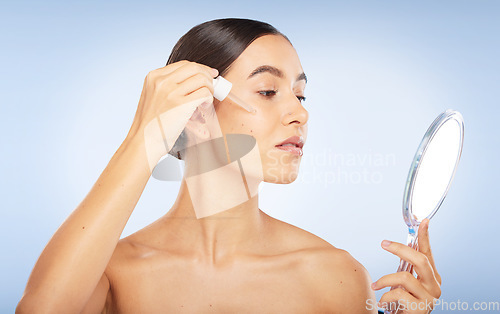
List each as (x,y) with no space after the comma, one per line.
(295,112)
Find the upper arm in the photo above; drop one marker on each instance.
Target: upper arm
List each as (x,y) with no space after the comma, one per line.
(97,302)
(358,288)
(343,284)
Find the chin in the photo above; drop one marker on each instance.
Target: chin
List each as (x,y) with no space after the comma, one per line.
(280,167)
(280,176)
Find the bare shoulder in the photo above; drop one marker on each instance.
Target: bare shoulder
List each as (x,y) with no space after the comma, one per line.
(340,282)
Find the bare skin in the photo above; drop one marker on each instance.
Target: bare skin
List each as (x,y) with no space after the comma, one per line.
(170,267)
(240,260)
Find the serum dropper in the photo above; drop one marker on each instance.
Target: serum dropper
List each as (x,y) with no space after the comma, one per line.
(222,90)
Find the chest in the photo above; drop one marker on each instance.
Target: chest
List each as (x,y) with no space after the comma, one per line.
(179,286)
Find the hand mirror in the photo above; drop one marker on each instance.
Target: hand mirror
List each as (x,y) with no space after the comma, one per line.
(431,174)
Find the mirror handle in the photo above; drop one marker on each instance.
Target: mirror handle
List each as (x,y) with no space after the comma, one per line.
(412,241)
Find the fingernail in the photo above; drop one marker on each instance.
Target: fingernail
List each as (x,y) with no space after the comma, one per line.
(386,243)
(215,72)
(374,285)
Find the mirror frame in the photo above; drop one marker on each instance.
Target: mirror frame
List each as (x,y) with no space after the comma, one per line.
(415,165)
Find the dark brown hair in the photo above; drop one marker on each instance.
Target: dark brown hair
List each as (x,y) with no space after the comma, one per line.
(217,44)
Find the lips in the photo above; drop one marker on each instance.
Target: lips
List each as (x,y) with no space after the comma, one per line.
(292,145)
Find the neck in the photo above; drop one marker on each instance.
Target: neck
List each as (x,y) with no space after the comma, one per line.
(217,236)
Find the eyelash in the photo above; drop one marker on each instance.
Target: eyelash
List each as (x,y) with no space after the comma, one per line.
(263,93)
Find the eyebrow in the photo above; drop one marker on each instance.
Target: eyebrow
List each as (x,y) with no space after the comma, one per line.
(274,71)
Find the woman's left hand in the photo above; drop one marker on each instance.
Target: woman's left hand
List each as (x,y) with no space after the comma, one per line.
(419,294)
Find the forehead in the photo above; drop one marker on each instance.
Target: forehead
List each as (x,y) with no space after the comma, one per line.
(272,50)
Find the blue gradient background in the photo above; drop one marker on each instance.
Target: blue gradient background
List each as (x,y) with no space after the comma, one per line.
(379,73)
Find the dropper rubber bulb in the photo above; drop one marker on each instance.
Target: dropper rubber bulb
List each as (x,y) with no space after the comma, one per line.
(222,90)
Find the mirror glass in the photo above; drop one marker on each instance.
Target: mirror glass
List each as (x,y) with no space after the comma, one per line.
(436,170)
(433,168)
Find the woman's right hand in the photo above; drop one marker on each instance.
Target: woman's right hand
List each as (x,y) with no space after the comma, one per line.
(182,86)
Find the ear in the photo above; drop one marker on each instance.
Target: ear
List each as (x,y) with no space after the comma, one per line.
(203,125)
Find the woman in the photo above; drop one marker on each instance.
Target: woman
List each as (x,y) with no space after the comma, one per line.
(208,253)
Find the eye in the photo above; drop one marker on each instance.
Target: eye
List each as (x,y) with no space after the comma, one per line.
(268,93)
(271,93)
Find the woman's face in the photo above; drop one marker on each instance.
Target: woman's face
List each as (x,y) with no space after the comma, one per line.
(269,77)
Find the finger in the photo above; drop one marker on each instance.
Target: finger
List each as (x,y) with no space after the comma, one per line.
(169,68)
(166,70)
(192,84)
(420,262)
(423,238)
(190,69)
(396,299)
(202,94)
(424,245)
(405,279)
(178,72)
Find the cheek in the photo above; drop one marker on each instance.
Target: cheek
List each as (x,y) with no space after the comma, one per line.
(240,122)
(260,125)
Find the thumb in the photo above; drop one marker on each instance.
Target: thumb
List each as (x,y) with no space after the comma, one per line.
(423,237)
(424,245)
